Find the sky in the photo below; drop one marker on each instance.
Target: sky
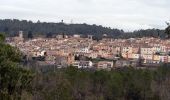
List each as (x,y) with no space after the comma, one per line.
(128,15)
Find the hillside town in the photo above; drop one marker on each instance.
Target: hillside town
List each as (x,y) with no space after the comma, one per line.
(81,52)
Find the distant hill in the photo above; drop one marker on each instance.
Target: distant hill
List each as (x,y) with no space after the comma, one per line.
(11,28)
(145,33)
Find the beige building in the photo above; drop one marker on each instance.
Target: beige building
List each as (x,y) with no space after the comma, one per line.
(104,65)
(146,50)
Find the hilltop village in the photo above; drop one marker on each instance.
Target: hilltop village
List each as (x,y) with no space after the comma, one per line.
(64,50)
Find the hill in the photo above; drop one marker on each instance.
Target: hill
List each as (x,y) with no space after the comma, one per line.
(12,26)
(43,28)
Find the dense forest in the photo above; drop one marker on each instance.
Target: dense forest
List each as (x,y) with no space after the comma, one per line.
(31,82)
(123,84)
(33,29)
(145,33)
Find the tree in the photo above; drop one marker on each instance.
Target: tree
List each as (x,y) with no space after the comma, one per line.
(14,79)
(167,30)
(2,38)
(49,35)
(30,35)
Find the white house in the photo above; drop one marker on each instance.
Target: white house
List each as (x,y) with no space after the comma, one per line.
(83,64)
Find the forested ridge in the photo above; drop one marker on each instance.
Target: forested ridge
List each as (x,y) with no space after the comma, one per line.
(12,26)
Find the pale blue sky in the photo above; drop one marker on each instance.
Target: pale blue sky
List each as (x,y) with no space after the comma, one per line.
(123,14)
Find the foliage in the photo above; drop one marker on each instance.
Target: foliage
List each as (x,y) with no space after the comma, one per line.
(33,29)
(167,30)
(125,84)
(49,29)
(2,37)
(30,35)
(13,78)
(145,33)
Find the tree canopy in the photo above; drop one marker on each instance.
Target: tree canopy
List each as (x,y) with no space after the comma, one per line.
(14,79)
(31,29)
(167,30)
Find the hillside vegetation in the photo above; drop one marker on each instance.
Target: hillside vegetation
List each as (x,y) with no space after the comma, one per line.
(33,29)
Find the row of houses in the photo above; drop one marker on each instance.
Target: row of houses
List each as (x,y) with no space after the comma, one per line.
(106,64)
(62,51)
